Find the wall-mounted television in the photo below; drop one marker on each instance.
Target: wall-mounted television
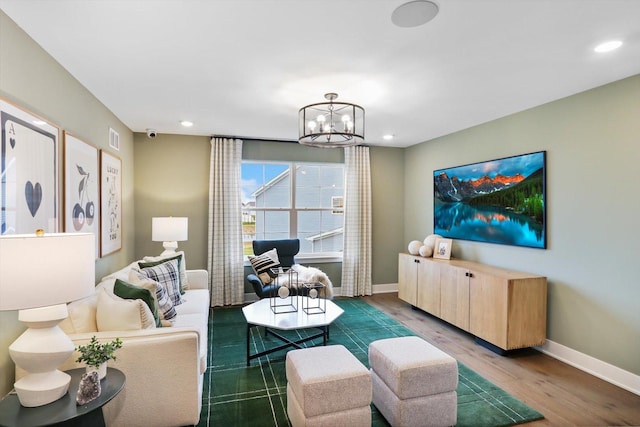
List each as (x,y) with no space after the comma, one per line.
(499,201)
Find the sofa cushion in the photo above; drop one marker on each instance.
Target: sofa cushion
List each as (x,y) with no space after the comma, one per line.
(121,274)
(117,314)
(262,265)
(167,275)
(194,301)
(151,261)
(126,290)
(82,316)
(166,310)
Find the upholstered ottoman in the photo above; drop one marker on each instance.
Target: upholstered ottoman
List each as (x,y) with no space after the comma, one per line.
(414,383)
(327,386)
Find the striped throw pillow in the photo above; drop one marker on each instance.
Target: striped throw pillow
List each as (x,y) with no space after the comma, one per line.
(262,265)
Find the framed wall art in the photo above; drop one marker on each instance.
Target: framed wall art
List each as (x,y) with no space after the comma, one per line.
(499,201)
(81,188)
(110,203)
(28,172)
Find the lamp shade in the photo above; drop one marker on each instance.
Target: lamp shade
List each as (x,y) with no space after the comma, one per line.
(169,229)
(39,271)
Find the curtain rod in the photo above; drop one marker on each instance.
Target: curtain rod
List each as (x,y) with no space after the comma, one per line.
(248,138)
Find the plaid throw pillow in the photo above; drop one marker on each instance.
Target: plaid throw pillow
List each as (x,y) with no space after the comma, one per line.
(262,265)
(167,275)
(165,305)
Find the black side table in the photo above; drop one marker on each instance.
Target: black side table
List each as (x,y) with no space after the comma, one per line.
(64,411)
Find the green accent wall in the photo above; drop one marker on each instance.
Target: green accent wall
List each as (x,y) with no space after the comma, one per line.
(172,179)
(592,141)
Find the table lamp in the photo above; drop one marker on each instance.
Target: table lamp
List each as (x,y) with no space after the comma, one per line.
(169,230)
(39,274)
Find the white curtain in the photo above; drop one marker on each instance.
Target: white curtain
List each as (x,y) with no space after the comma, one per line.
(356,259)
(225,259)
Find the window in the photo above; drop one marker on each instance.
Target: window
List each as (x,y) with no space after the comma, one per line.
(289,200)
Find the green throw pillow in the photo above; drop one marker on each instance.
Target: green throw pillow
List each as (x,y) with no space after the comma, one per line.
(154,263)
(128,291)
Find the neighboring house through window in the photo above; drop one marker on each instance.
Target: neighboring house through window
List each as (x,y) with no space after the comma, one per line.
(294,199)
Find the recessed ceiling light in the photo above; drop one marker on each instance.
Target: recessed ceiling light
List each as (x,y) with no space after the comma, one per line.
(414,13)
(387,137)
(186,123)
(608,46)
(39,122)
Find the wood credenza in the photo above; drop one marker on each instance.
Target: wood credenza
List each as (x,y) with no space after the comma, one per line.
(505,308)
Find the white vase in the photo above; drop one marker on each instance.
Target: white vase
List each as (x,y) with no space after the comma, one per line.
(102,370)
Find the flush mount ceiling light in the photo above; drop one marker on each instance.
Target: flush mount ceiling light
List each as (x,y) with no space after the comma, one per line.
(608,46)
(414,13)
(331,124)
(186,123)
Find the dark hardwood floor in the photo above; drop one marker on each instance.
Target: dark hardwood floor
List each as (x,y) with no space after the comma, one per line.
(563,394)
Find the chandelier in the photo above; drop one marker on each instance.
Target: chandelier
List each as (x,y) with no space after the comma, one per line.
(331,124)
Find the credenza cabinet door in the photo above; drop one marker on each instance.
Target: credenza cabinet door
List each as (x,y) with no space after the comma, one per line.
(508,308)
(408,279)
(419,283)
(454,296)
(488,308)
(429,286)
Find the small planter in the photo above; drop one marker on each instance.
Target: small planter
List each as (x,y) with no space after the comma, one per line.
(96,355)
(102,370)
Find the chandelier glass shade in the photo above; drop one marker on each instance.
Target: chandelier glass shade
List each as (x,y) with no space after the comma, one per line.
(331,124)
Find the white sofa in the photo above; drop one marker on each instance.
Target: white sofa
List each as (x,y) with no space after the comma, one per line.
(164,367)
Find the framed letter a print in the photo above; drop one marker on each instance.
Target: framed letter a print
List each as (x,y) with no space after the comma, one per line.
(28,172)
(110,203)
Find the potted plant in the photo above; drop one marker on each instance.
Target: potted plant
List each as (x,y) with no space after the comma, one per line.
(96,355)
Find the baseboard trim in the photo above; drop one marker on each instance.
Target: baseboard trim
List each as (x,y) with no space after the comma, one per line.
(598,368)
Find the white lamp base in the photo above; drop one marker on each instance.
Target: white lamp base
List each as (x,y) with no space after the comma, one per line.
(169,248)
(41,389)
(39,351)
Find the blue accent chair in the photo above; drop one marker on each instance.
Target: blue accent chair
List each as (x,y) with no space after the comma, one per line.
(287,250)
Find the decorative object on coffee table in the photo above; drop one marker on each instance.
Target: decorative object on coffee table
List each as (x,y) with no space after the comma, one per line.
(316,303)
(97,354)
(284,296)
(88,389)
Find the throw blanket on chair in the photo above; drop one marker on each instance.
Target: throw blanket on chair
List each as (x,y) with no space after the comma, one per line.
(309,275)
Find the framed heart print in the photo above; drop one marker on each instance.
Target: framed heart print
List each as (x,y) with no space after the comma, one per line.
(28,172)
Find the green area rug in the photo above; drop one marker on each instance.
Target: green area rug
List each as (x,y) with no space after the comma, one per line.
(237,395)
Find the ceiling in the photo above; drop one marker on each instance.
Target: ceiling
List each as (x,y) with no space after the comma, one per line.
(245,67)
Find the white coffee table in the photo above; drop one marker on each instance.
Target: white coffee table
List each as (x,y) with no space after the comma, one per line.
(259,313)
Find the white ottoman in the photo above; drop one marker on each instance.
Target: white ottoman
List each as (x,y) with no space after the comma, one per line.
(414,383)
(327,386)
